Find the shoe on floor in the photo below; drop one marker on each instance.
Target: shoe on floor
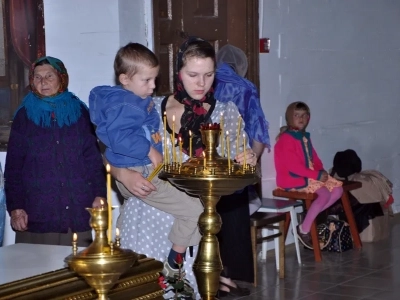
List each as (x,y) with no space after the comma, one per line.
(233,291)
(305,238)
(168,271)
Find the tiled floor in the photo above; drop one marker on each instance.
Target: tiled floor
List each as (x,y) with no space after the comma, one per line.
(372,273)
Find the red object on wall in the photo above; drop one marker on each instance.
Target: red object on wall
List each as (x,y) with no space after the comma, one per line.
(264,45)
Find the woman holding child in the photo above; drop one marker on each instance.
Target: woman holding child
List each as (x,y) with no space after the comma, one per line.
(192,104)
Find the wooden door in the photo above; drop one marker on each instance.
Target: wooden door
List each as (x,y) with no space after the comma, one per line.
(217,21)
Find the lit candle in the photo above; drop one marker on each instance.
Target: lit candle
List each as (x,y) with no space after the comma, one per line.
(109,202)
(238,135)
(173,140)
(166,151)
(190,144)
(205,160)
(244,151)
(165,136)
(101,203)
(180,150)
(222,136)
(228,150)
(117,232)
(74,243)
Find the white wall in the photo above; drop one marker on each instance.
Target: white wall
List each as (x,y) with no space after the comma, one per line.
(342,58)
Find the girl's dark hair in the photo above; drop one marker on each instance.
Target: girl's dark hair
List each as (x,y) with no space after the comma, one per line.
(129,58)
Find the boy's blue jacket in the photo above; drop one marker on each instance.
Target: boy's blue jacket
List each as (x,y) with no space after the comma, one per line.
(127,124)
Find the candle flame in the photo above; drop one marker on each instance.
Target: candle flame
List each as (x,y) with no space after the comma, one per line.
(165,113)
(190,133)
(117,232)
(173,118)
(180,140)
(227,133)
(101,202)
(74,237)
(204,154)
(108,168)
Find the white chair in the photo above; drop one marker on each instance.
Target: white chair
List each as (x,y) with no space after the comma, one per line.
(281,206)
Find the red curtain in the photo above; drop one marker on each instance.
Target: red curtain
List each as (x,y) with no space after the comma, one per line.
(27,29)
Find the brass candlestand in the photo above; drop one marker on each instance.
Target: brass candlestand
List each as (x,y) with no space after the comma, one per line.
(101,264)
(209,179)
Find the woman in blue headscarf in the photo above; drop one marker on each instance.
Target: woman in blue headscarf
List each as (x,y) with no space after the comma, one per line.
(54,168)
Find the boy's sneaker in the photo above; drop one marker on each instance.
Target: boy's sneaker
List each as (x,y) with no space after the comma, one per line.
(168,271)
(305,238)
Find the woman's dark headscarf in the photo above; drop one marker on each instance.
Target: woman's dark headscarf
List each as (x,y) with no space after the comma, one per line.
(194,113)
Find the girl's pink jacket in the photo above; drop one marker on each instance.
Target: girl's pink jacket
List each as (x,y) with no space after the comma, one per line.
(291,163)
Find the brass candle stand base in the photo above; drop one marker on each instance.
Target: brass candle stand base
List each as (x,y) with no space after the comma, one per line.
(209,180)
(101,264)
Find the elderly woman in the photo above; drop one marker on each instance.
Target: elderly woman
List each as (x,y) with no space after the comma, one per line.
(145,228)
(54,168)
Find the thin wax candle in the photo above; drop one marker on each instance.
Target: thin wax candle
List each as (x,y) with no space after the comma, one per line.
(222,144)
(205,160)
(180,150)
(173,140)
(190,144)
(228,150)
(109,202)
(244,151)
(238,135)
(165,137)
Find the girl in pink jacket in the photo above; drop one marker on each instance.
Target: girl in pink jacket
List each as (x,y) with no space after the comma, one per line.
(298,167)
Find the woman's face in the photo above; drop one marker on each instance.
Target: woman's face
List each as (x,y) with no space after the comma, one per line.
(46,80)
(198,76)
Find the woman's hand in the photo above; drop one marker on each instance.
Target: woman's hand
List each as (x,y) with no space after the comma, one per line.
(324,176)
(133,181)
(19,220)
(251,157)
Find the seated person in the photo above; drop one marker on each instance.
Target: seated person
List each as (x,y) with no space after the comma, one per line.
(299,168)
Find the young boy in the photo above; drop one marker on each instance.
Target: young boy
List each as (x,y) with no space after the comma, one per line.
(128,125)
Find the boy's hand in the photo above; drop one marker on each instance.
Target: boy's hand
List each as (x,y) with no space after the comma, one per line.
(155,157)
(324,176)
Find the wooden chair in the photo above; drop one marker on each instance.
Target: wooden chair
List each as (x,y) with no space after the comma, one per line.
(261,220)
(307,198)
(282,206)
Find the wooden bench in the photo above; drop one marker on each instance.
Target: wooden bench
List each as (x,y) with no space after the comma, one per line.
(260,220)
(309,197)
